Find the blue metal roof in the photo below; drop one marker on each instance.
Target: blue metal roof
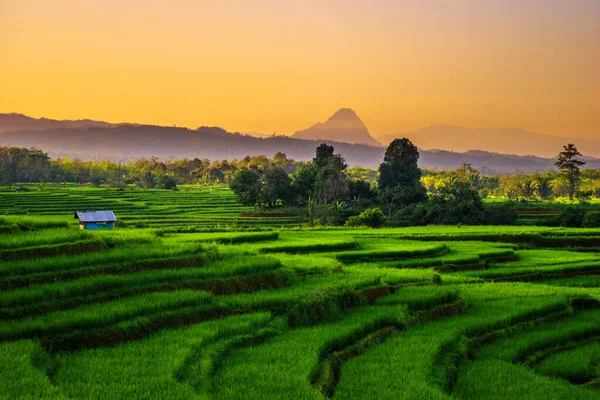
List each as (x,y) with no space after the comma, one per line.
(95,216)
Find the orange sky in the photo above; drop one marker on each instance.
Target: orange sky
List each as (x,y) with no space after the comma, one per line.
(279,66)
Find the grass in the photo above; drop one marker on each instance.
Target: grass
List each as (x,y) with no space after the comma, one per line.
(578,366)
(147,368)
(280,368)
(54,296)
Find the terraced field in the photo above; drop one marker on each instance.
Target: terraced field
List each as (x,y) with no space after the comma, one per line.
(214,207)
(197,310)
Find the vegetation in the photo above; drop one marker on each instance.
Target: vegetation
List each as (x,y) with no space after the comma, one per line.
(184,299)
(570,167)
(399,180)
(279,287)
(372,217)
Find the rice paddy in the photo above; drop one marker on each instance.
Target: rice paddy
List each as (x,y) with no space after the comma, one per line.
(193,296)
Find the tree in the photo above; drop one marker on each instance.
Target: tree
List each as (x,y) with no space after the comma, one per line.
(526,188)
(167,182)
(323,153)
(258,162)
(324,157)
(570,167)
(148,180)
(277,186)
(322,184)
(330,185)
(361,193)
(469,175)
(456,204)
(247,187)
(280,158)
(544,187)
(399,178)
(304,181)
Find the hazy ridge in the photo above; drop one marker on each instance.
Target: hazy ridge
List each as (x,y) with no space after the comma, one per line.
(101,140)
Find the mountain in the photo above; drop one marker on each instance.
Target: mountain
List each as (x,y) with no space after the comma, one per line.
(499,140)
(343,126)
(102,141)
(138,141)
(130,142)
(15,122)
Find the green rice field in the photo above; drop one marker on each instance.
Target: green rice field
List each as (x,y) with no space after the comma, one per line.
(193,296)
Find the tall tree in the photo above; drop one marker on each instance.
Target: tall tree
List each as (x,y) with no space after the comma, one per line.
(399,178)
(570,167)
(324,157)
(331,185)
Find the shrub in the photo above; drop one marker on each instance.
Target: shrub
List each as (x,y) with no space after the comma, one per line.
(167,182)
(591,219)
(372,217)
(500,214)
(571,217)
(455,204)
(324,305)
(584,195)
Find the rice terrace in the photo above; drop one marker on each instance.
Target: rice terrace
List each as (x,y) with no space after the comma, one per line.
(189,300)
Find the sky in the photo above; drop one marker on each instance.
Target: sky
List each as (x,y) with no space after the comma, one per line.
(280,66)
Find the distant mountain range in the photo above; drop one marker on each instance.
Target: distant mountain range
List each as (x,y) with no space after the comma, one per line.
(500,140)
(87,139)
(19,122)
(343,126)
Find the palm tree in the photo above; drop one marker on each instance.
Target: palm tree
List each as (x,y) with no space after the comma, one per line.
(526,188)
(544,188)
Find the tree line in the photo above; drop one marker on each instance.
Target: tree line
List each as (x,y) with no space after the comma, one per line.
(22,165)
(329,191)
(399,193)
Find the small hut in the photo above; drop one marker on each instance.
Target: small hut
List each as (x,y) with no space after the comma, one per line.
(96,219)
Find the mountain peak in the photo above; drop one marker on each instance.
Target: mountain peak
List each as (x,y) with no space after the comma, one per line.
(344,114)
(343,126)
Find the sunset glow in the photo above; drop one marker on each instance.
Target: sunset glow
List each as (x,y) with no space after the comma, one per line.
(280,66)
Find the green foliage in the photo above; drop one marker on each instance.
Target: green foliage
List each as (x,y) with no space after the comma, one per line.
(246,186)
(527,188)
(361,193)
(500,214)
(456,204)
(570,167)
(23,165)
(304,181)
(570,217)
(277,185)
(372,217)
(584,195)
(591,220)
(544,188)
(399,179)
(330,184)
(167,182)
